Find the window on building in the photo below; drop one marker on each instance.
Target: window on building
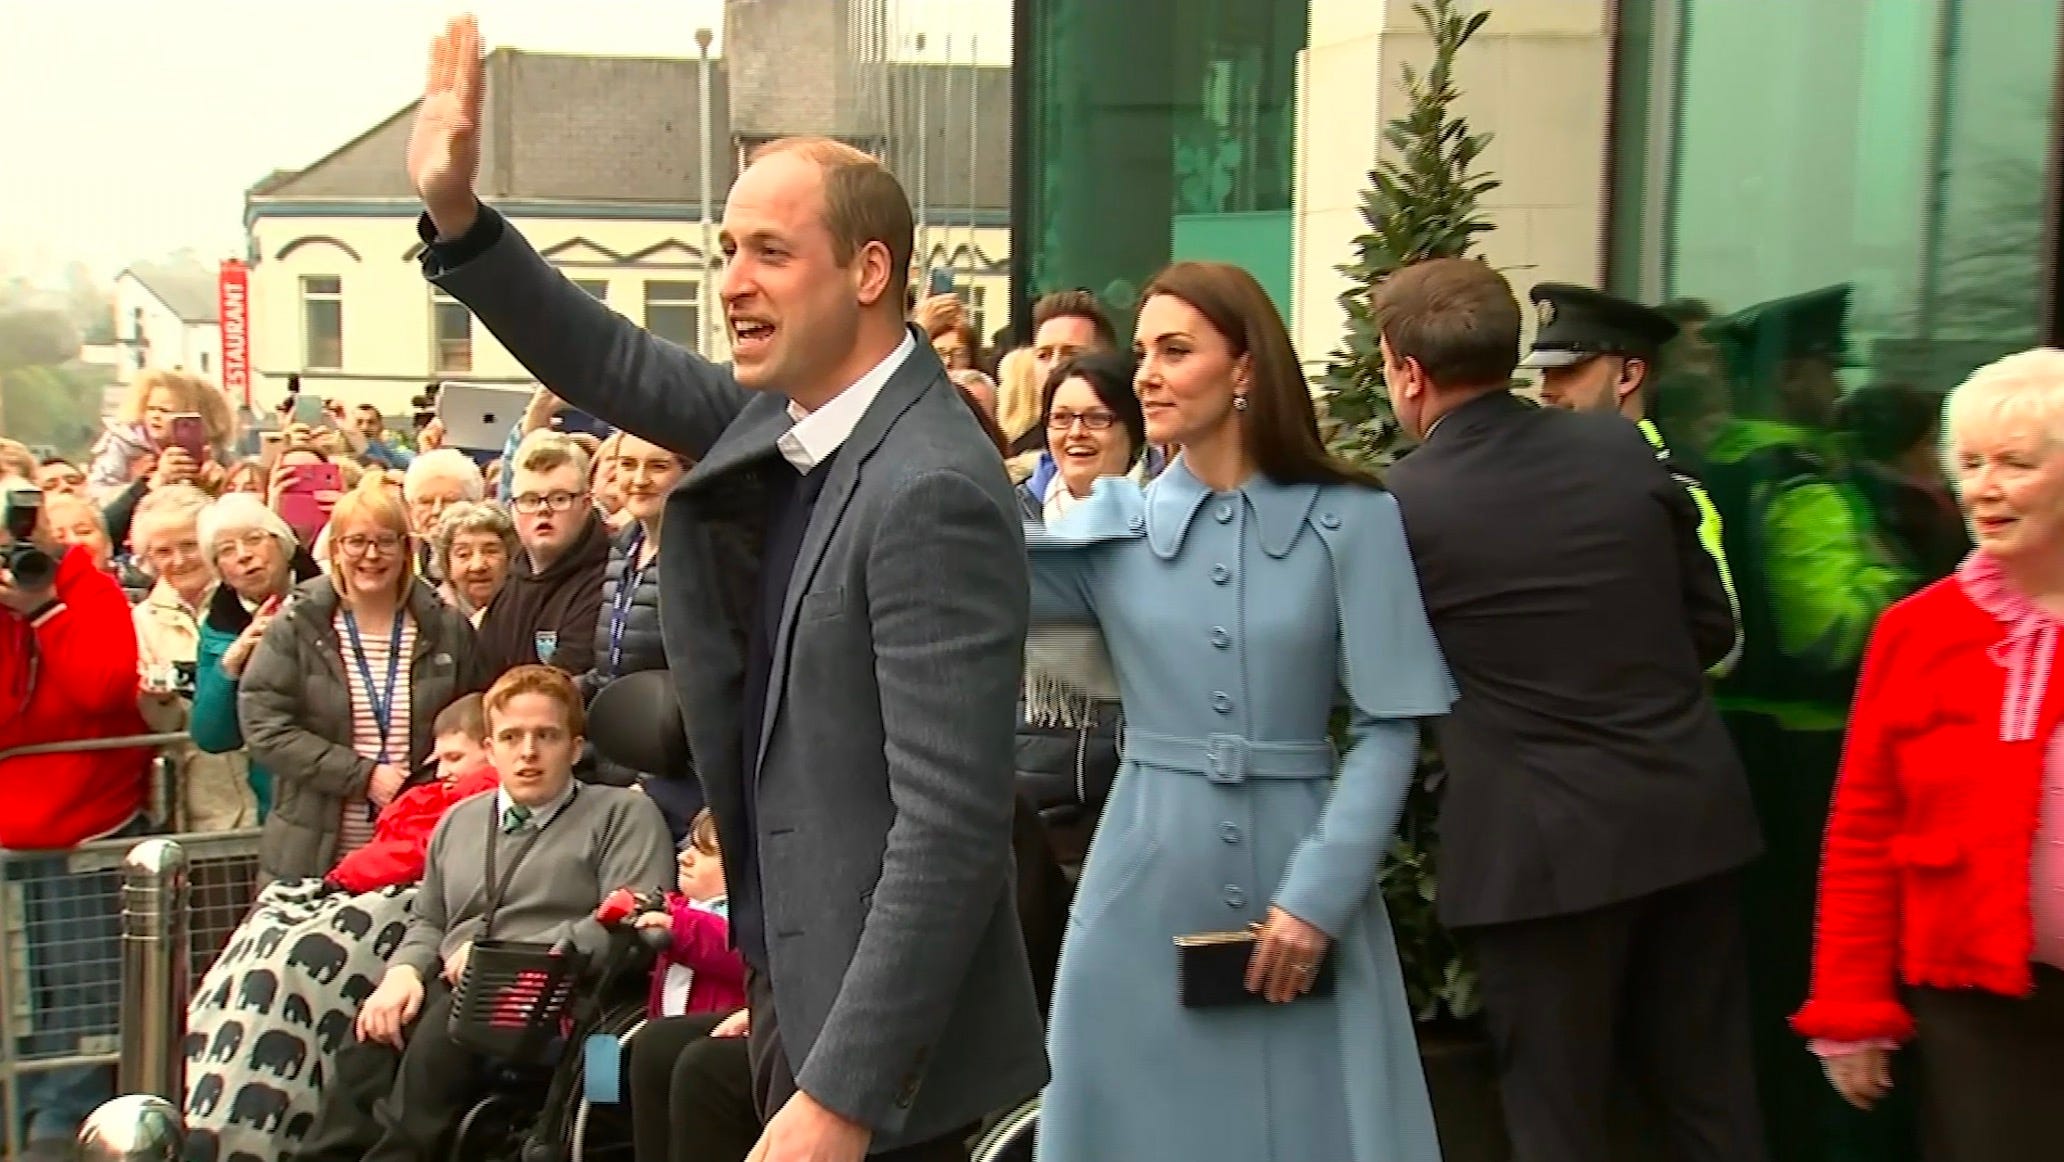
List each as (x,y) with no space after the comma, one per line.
(673,311)
(976,299)
(451,334)
(597,288)
(322,321)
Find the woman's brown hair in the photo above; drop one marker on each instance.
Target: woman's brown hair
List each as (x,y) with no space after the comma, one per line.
(1282,426)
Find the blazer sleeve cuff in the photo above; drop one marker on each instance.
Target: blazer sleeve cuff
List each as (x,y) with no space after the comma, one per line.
(439,257)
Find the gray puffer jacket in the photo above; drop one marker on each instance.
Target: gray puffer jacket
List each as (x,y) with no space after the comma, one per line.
(295,709)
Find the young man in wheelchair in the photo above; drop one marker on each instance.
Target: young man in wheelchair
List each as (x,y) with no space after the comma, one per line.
(529,863)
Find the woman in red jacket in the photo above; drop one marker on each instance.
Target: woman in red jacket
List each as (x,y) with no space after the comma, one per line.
(1944,863)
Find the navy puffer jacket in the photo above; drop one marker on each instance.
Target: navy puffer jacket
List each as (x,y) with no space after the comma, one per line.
(640,649)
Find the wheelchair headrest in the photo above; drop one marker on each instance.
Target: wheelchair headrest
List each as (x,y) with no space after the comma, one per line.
(636,722)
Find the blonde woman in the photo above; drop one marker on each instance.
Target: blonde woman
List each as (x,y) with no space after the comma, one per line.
(338,699)
(137,445)
(214,789)
(1020,409)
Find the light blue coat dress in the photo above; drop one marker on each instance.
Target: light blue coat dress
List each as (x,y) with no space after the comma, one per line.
(1235,623)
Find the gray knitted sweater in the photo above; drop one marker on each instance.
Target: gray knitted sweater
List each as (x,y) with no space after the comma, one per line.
(603,839)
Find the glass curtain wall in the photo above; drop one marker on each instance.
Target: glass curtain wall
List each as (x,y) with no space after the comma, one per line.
(1153,131)
(1844,202)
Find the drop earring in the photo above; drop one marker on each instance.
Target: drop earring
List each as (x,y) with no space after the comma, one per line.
(1240,402)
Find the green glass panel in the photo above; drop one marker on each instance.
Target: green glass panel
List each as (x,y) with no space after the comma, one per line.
(1159,131)
(1856,194)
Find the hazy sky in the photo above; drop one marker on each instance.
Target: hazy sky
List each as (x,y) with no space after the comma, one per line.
(131,128)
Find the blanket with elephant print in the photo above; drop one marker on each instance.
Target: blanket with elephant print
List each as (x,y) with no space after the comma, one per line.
(266,1020)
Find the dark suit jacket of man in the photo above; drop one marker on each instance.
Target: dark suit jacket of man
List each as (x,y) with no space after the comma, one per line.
(884,791)
(1562,571)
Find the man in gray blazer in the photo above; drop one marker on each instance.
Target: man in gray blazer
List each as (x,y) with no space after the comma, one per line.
(844,611)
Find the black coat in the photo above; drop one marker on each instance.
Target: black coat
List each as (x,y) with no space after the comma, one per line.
(1562,571)
(1065,772)
(561,604)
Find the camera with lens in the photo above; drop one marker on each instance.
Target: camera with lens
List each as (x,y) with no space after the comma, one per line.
(31,567)
(425,405)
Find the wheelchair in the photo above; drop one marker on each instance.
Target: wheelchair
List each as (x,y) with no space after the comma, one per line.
(635,721)
(530,1017)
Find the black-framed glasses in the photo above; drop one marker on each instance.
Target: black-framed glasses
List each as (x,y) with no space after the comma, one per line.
(531,504)
(359,544)
(1060,420)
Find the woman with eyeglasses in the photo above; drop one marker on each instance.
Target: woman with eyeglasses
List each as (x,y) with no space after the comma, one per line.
(339,697)
(259,563)
(1068,742)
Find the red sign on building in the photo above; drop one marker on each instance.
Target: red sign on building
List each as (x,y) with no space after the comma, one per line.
(234,313)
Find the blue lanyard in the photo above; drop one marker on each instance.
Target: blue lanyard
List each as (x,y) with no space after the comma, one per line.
(626,596)
(382,704)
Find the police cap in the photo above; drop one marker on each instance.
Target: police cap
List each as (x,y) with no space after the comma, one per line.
(1574,323)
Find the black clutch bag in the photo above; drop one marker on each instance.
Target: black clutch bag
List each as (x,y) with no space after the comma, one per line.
(1211,970)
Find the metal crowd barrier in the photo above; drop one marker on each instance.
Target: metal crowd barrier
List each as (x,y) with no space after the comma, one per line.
(62,936)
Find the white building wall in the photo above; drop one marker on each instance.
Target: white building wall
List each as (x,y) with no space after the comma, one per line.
(148,334)
(1538,77)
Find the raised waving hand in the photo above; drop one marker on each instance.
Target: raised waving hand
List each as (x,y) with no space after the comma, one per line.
(444,146)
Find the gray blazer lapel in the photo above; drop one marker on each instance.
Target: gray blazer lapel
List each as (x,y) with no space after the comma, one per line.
(752,436)
(904,388)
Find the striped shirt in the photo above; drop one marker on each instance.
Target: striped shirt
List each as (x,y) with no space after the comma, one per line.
(357,826)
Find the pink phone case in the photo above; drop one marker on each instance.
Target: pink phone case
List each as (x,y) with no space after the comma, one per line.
(298,505)
(189,433)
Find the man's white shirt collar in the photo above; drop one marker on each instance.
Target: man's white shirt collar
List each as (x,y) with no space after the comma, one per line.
(816,435)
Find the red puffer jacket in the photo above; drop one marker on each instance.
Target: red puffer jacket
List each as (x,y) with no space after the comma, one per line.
(69,676)
(401,836)
(1925,875)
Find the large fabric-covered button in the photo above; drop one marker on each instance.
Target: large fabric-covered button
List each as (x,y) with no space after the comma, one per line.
(1220,638)
(1235,896)
(1222,702)
(1229,831)
(1220,574)
(1330,520)
(1223,514)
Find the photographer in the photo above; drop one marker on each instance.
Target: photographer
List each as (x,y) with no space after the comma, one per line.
(68,673)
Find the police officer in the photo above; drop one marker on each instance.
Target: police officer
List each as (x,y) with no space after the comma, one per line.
(1814,575)
(1598,353)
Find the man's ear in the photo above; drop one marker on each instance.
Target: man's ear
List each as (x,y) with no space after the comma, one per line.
(1414,377)
(1633,372)
(872,267)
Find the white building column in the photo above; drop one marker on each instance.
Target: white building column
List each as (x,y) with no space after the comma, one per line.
(1538,77)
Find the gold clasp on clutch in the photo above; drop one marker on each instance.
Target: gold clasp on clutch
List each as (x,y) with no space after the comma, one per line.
(1207,939)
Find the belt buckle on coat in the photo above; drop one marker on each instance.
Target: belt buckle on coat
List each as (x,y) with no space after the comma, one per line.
(1226,758)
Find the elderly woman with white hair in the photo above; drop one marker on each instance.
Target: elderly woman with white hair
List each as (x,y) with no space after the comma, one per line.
(435,481)
(1941,910)
(259,563)
(471,548)
(213,792)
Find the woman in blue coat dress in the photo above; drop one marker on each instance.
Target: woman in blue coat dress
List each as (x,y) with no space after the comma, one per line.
(1243,595)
